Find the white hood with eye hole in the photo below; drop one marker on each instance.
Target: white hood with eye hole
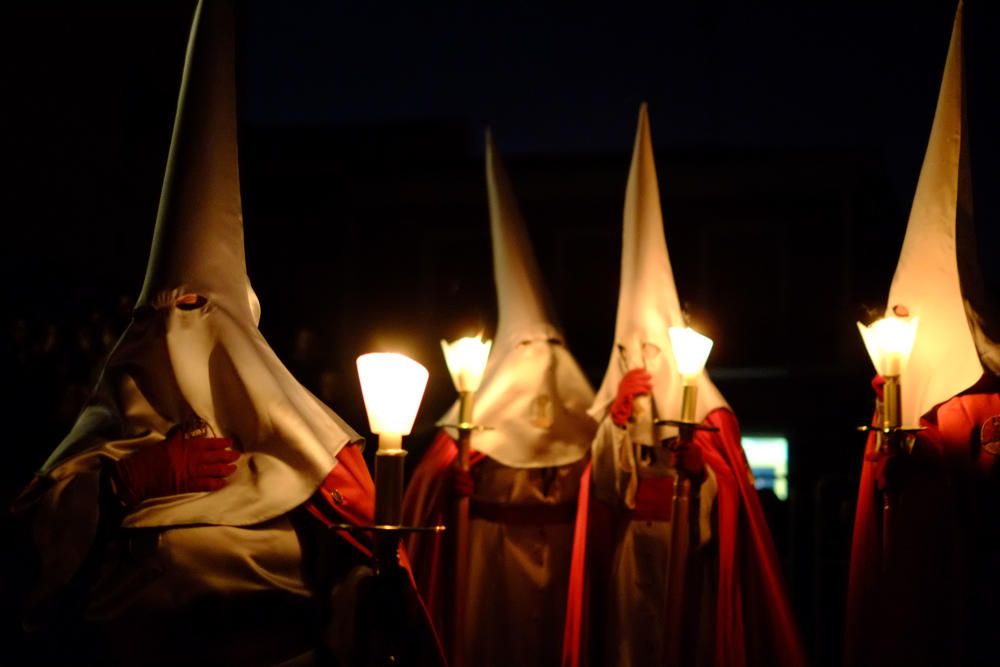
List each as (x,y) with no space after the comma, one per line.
(534,396)
(647,297)
(944,360)
(178,361)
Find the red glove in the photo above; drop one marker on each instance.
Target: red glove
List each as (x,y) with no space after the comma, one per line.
(176,465)
(878,382)
(462,483)
(637,381)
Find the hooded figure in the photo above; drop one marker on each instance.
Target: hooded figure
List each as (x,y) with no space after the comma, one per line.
(525,471)
(166,523)
(923,590)
(733,610)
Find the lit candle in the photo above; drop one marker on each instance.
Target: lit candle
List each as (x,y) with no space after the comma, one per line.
(466,359)
(691,350)
(392,386)
(889,342)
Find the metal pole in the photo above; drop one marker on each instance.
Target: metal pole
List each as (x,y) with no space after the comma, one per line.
(461,535)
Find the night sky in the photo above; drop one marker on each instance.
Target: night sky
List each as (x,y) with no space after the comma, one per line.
(722,74)
(550,81)
(90,91)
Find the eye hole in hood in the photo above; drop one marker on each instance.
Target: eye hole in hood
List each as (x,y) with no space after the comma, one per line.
(190,301)
(650,351)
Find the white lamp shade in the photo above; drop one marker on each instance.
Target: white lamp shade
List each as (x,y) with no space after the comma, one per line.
(691,350)
(889,342)
(392,386)
(466,359)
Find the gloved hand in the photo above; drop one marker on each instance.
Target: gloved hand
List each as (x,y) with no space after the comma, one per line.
(687,458)
(179,464)
(462,484)
(637,381)
(878,384)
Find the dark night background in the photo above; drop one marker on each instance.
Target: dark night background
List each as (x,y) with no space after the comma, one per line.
(788,141)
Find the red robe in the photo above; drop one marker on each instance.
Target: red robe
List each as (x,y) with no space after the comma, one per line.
(744,606)
(934,601)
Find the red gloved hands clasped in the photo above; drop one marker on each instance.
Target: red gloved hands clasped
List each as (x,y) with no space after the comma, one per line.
(637,381)
(179,464)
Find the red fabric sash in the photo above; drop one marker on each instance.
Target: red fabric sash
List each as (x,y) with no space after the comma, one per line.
(653,499)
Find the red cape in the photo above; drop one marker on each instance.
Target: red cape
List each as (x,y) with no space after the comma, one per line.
(754,623)
(933,602)
(428,502)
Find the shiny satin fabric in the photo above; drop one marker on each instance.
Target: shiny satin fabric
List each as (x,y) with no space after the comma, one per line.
(519,558)
(943,535)
(533,401)
(636,629)
(193,349)
(735,609)
(647,298)
(192,354)
(519,569)
(175,364)
(935,276)
(288,439)
(242,590)
(534,396)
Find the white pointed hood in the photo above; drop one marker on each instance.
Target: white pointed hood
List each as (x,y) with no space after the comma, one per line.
(205,357)
(647,297)
(944,360)
(533,397)
(198,240)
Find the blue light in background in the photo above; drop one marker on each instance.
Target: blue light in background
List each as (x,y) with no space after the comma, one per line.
(768,458)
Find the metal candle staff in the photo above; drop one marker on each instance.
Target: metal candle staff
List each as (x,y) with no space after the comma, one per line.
(466,359)
(690,350)
(889,342)
(392,386)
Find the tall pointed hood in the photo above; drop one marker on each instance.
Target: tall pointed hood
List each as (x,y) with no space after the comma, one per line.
(523,309)
(647,296)
(944,360)
(184,358)
(533,397)
(198,241)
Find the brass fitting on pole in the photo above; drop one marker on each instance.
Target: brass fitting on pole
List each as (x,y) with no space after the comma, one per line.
(892,411)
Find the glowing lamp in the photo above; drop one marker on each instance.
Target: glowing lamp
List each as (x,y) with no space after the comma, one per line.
(392,386)
(889,342)
(466,359)
(690,353)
